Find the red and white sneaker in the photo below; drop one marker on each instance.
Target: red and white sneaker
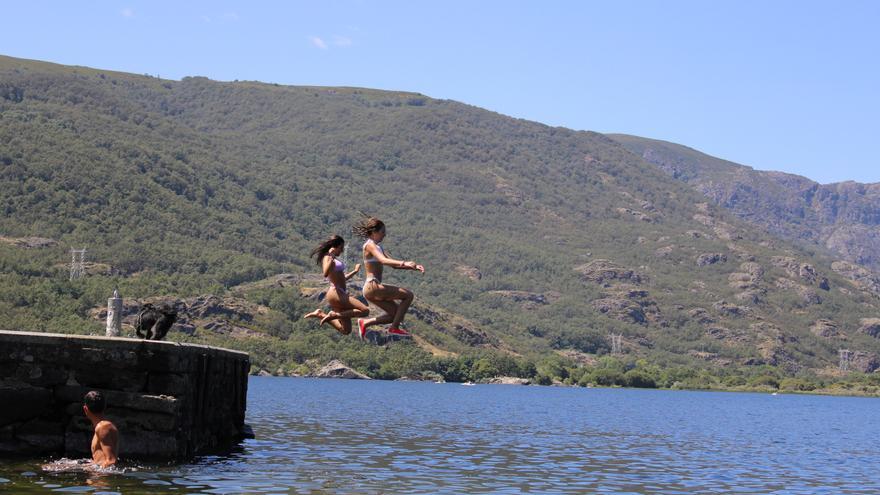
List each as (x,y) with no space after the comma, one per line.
(362,329)
(398,331)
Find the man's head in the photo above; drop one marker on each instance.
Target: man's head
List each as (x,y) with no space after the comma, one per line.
(94,403)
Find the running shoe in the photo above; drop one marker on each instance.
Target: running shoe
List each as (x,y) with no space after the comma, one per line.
(398,331)
(362,330)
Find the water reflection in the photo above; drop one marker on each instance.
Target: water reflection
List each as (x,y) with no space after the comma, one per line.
(328,436)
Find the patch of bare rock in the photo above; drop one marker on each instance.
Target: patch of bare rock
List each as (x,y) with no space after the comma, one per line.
(664,251)
(282,280)
(728,336)
(729,309)
(701,316)
(29,242)
(803,279)
(751,296)
(637,214)
(621,309)
(772,346)
(740,252)
(861,277)
(865,362)
(749,282)
(515,196)
(579,357)
(711,357)
(807,294)
(470,272)
(337,369)
(456,327)
(870,326)
(506,380)
(805,272)
(629,303)
(711,259)
(603,272)
(826,329)
(725,232)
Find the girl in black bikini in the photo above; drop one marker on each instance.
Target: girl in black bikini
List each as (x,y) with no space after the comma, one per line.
(342,307)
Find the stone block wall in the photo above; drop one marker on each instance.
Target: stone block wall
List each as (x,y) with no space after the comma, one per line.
(170,401)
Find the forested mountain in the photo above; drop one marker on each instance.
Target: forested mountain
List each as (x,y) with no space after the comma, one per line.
(539,242)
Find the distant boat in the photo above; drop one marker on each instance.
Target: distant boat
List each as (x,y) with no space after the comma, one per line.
(468,384)
(775,393)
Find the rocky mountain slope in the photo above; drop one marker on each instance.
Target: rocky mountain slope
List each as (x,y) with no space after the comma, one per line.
(843,217)
(538,241)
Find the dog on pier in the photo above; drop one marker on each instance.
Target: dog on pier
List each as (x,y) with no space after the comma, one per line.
(153,323)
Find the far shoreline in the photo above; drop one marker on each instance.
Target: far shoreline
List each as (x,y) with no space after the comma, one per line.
(766,391)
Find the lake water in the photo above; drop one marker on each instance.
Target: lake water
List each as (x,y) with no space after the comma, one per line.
(338,436)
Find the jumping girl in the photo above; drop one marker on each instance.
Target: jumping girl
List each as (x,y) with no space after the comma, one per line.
(385,296)
(342,307)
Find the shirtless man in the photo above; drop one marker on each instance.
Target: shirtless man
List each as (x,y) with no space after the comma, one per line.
(105,443)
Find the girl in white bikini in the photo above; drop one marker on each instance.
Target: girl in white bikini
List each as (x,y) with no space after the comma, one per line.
(342,307)
(393,300)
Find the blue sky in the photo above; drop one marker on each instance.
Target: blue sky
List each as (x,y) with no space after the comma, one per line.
(779,85)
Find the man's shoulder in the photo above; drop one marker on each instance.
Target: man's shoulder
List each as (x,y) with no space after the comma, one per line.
(105,427)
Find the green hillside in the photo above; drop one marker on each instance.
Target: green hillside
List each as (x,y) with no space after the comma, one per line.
(539,242)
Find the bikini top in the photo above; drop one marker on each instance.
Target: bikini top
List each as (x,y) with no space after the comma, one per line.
(338,266)
(373,260)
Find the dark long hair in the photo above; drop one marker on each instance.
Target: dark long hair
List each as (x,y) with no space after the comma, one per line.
(319,252)
(367,226)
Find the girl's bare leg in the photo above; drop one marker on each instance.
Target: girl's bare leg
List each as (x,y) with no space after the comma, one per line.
(344,308)
(389,308)
(345,324)
(339,325)
(390,293)
(402,308)
(318,313)
(344,315)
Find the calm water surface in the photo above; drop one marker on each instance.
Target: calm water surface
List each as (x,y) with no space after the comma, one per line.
(338,436)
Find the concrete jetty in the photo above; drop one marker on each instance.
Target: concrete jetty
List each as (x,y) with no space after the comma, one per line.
(170,401)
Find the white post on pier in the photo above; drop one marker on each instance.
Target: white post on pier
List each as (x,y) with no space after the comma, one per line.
(114,315)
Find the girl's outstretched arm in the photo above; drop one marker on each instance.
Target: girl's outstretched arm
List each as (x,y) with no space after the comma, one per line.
(393,263)
(352,273)
(385,260)
(412,265)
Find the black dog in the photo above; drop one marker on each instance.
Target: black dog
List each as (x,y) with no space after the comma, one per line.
(154,322)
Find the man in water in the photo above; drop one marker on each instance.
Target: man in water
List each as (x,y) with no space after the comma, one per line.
(105,443)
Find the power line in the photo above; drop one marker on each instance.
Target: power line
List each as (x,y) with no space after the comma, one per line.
(616,343)
(845,359)
(77,264)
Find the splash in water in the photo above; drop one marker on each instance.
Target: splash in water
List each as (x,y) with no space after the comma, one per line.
(65,465)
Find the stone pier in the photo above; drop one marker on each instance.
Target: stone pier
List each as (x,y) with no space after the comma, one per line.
(170,401)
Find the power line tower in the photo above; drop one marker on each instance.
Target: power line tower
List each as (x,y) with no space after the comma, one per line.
(77,264)
(845,357)
(616,343)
